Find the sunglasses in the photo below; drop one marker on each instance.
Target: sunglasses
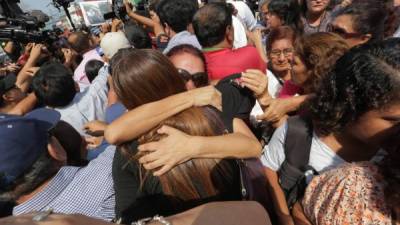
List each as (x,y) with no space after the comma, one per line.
(199,79)
(342,32)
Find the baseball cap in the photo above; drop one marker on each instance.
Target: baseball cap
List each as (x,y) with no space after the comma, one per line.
(22,140)
(112,42)
(7,83)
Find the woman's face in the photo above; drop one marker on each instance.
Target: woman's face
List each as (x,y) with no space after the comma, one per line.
(273,21)
(299,71)
(281,55)
(343,26)
(376,127)
(190,63)
(317,6)
(264,13)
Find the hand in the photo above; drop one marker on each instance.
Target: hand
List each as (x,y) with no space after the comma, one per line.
(154,17)
(206,96)
(36,51)
(12,67)
(95,125)
(28,47)
(93,142)
(275,111)
(69,55)
(128,7)
(345,3)
(256,36)
(256,81)
(105,28)
(166,153)
(115,24)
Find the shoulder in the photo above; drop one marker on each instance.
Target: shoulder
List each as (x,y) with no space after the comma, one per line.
(336,196)
(273,154)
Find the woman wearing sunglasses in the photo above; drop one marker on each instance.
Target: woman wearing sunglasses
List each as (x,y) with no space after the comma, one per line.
(360,22)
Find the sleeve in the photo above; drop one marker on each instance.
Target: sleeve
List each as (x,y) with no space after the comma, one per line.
(126,182)
(273,154)
(350,194)
(249,18)
(236,102)
(96,97)
(129,192)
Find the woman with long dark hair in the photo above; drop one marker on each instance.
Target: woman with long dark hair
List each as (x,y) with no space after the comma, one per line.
(151,88)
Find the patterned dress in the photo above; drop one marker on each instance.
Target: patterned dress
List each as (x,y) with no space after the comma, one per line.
(351,194)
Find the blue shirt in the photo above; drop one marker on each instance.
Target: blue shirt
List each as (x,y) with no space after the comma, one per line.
(82,190)
(89,104)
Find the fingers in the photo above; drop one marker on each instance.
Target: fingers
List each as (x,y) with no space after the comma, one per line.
(148,147)
(167,130)
(251,81)
(163,170)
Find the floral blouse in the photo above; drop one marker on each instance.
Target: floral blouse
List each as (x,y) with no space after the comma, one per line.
(351,194)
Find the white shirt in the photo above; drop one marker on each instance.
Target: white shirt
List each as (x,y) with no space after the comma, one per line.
(88,105)
(184,37)
(240,38)
(245,14)
(321,159)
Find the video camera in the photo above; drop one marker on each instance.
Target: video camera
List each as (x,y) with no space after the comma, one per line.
(20,27)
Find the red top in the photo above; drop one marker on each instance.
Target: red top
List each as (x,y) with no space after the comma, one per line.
(289,89)
(225,62)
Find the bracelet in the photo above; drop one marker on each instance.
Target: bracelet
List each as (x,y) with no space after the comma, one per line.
(157,218)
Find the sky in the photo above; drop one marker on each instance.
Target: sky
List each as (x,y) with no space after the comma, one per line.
(44,5)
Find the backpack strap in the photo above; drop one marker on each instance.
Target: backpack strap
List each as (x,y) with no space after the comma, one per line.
(297,154)
(298,142)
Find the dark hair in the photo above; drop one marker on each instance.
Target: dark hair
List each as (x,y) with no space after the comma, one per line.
(199,81)
(92,68)
(282,32)
(289,12)
(319,52)
(141,76)
(210,23)
(41,170)
(53,85)
(137,36)
(364,79)
(80,43)
(177,14)
(367,18)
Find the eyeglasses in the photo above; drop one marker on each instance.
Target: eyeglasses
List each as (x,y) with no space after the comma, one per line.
(286,52)
(199,79)
(342,32)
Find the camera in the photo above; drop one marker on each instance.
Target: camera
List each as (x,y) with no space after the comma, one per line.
(119,10)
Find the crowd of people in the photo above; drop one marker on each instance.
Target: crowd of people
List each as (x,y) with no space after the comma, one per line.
(207,112)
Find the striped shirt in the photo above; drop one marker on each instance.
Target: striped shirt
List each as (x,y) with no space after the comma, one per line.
(83,190)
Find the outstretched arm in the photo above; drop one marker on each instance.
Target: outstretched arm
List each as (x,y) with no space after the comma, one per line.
(143,118)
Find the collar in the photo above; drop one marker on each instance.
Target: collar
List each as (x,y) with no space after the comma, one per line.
(54,188)
(212,49)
